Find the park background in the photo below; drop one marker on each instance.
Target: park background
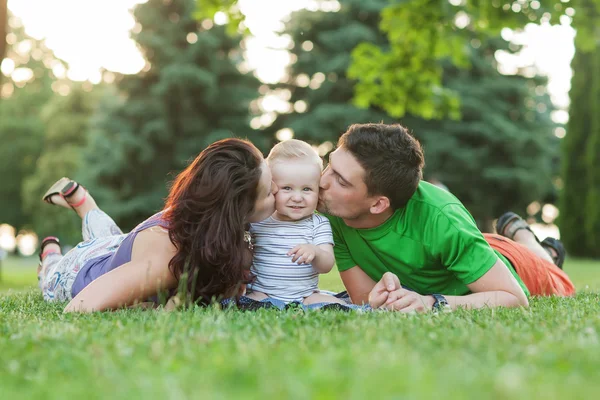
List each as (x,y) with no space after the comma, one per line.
(503,95)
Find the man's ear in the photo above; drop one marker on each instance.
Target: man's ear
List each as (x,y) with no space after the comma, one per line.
(381,204)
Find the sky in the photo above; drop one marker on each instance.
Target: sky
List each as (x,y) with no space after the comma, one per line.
(94,34)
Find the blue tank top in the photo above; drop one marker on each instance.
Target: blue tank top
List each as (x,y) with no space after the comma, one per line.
(98,266)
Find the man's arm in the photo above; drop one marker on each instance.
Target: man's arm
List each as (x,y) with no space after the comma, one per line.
(358,284)
(495,288)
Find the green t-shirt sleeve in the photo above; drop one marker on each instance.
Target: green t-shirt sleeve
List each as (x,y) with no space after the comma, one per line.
(343,259)
(459,245)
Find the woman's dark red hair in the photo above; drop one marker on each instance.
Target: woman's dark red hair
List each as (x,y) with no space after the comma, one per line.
(207,211)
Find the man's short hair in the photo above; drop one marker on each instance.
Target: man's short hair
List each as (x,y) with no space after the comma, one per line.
(293,149)
(391,157)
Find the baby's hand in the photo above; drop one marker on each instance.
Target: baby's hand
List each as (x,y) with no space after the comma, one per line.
(303,253)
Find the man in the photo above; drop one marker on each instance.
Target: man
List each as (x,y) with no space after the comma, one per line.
(391,228)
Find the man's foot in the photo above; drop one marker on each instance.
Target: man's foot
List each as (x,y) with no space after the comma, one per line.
(510,224)
(557,251)
(65,193)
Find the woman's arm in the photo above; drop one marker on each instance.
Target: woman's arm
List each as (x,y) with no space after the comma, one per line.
(133,282)
(125,285)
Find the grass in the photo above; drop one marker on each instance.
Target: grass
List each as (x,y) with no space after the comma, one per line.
(550,350)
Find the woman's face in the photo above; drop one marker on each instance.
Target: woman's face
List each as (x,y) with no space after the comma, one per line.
(265,202)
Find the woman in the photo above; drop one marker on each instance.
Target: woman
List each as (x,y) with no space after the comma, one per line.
(197,243)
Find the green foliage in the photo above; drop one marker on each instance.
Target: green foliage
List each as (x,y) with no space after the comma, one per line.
(332,36)
(3,30)
(21,129)
(190,94)
(207,9)
(406,77)
(580,197)
(497,156)
(66,121)
(592,220)
(21,145)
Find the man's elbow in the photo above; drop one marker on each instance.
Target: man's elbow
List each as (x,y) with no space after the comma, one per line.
(523,301)
(520,299)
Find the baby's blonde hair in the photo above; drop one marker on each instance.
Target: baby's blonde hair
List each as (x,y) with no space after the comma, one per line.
(293,149)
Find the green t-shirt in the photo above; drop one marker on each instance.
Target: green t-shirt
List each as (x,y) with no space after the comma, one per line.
(432,244)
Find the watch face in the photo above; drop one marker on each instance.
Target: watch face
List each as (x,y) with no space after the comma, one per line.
(441,304)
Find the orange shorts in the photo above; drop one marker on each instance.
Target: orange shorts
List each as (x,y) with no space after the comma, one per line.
(541,277)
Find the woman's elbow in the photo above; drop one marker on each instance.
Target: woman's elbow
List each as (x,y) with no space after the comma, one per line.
(81,306)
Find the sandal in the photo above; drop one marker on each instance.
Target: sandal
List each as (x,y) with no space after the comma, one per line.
(514,223)
(558,247)
(64,188)
(46,241)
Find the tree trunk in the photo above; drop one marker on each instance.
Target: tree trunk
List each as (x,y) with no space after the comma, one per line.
(3,30)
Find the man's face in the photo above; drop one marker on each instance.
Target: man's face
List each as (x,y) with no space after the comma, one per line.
(343,192)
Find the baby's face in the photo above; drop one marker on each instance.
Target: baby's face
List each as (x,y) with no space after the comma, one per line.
(298,183)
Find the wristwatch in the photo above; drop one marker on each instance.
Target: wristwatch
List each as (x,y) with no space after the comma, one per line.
(440,303)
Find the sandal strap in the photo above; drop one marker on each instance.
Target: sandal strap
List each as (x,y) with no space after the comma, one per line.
(46,241)
(80,202)
(558,247)
(510,223)
(515,226)
(47,253)
(69,189)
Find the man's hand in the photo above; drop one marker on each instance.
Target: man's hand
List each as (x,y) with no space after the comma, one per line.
(379,294)
(408,301)
(389,294)
(303,253)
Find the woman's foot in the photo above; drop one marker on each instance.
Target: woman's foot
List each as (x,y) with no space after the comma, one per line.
(49,245)
(69,194)
(65,193)
(53,194)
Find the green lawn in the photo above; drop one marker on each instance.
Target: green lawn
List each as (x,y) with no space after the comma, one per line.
(550,351)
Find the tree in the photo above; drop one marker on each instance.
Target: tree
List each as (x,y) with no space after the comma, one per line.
(66,120)
(3,30)
(499,155)
(496,156)
(25,90)
(580,197)
(423,32)
(317,81)
(592,223)
(190,94)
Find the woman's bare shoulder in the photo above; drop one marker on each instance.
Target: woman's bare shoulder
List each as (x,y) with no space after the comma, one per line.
(153,243)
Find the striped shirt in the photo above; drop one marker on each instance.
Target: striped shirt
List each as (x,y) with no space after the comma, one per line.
(276,274)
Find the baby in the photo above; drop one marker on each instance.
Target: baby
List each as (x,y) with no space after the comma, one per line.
(294,245)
